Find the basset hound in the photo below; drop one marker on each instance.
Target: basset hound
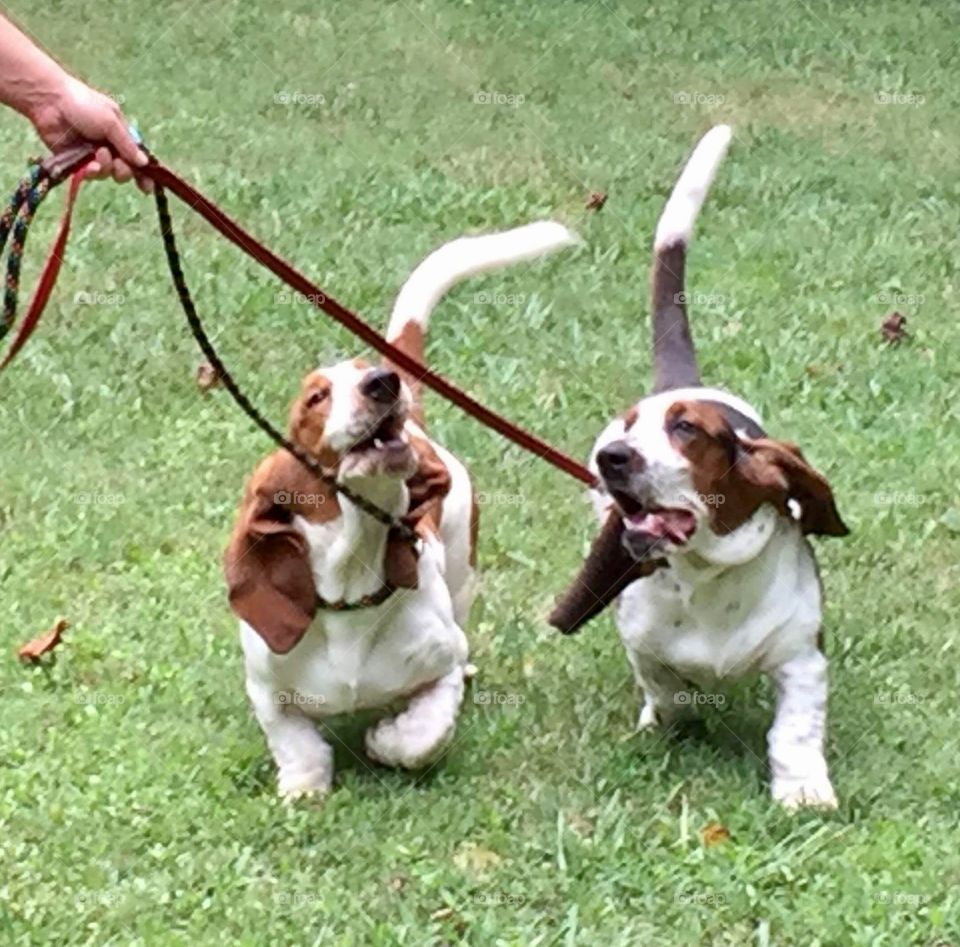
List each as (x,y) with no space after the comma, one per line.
(704,538)
(337,613)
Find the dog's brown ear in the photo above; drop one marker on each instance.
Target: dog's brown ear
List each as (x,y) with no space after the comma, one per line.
(779,470)
(428,486)
(267,563)
(605,573)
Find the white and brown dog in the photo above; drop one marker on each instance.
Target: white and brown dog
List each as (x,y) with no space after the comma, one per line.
(704,539)
(337,615)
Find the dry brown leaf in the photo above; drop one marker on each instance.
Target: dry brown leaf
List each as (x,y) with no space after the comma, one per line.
(441,913)
(894,328)
(714,834)
(36,649)
(207,376)
(596,200)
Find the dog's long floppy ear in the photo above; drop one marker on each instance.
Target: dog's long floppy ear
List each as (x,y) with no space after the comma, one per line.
(267,562)
(428,486)
(605,573)
(781,472)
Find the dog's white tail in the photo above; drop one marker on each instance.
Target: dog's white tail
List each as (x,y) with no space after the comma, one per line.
(674,357)
(455,261)
(686,199)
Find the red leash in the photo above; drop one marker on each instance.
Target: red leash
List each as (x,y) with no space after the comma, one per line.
(74,162)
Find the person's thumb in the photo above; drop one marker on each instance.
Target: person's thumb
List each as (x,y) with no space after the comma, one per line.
(119,138)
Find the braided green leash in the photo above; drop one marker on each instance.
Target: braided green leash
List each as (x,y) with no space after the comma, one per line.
(31,190)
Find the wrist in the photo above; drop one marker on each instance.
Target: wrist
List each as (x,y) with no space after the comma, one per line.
(43,96)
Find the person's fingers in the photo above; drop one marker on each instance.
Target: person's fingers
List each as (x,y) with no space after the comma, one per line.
(123,144)
(122,172)
(145,184)
(100,167)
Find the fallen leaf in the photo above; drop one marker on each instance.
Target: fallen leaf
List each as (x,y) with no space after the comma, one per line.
(714,834)
(34,650)
(476,859)
(596,200)
(894,328)
(441,913)
(207,376)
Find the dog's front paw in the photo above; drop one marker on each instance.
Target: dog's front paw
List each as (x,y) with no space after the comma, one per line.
(395,742)
(649,718)
(796,794)
(312,784)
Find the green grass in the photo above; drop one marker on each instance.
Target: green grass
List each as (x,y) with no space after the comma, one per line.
(136,796)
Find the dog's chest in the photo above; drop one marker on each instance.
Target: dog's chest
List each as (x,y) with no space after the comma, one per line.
(740,621)
(362,661)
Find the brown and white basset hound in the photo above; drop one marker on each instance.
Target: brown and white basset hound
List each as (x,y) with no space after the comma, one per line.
(337,614)
(704,539)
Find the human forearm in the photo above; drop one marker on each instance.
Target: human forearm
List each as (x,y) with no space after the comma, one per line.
(30,81)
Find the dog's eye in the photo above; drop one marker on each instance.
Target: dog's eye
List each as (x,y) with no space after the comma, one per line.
(316,397)
(683,428)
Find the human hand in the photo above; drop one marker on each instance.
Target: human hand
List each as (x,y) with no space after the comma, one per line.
(76,113)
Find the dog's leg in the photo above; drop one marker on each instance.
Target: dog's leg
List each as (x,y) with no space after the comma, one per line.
(795,740)
(304,759)
(662,691)
(421,732)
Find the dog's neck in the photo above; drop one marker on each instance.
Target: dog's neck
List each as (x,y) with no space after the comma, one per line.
(348,554)
(709,554)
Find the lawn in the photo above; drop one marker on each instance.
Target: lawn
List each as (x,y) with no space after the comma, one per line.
(137,799)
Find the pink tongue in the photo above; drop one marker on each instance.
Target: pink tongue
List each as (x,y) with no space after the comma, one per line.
(676,525)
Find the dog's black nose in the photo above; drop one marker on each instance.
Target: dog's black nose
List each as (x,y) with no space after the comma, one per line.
(617,459)
(381,385)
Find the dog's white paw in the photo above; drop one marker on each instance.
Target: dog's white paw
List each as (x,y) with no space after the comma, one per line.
(399,743)
(300,784)
(649,719)
(795,794)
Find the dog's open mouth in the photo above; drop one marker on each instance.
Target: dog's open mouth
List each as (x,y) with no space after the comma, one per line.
(383,448)
(651,527)
(668,523)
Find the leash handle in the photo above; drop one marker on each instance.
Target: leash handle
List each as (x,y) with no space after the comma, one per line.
(64,163)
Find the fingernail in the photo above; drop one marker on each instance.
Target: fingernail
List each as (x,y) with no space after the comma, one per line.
(142,160)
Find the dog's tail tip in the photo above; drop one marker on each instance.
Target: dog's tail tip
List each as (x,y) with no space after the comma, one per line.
(676,222)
